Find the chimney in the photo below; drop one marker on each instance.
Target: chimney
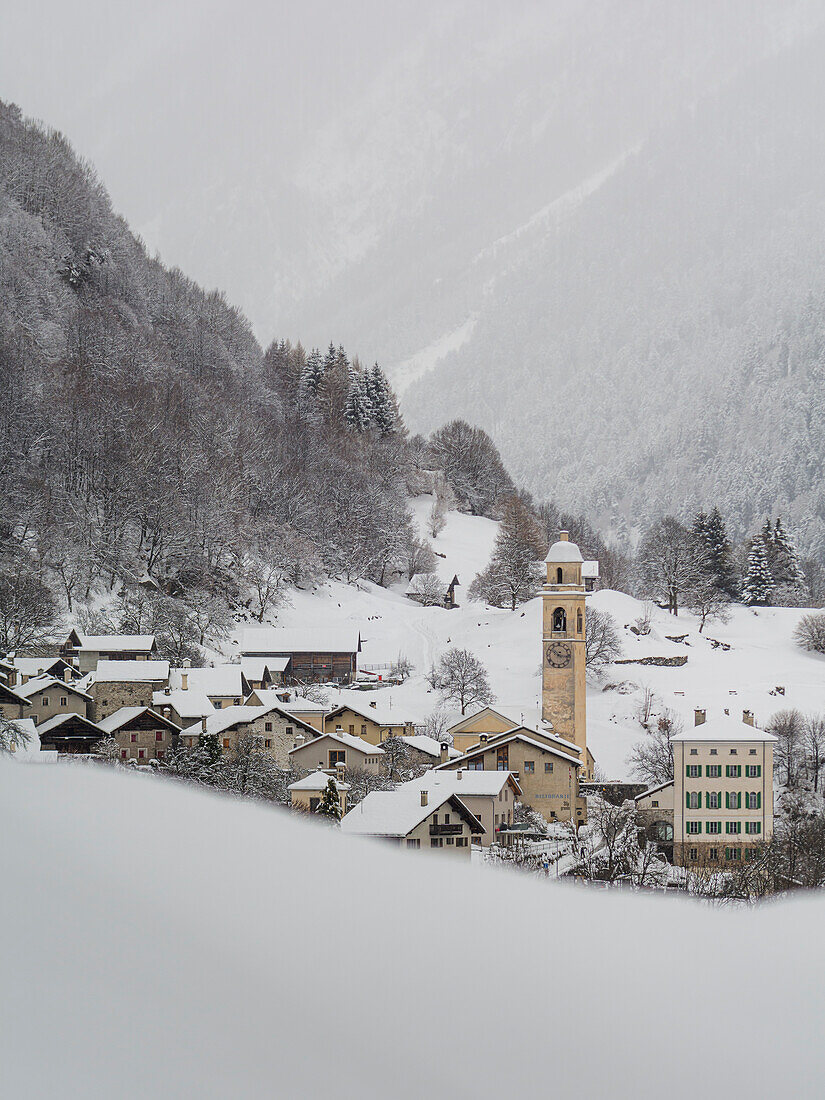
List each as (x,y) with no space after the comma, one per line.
(699,717)
(373,704)
(203,724)
(445,752)
(167,691)
(458,774)
(13,678)
(425,798)
(747,717)
(187,663)
(483,738)
(299,740)
(184,680)
(67,675)
(340,767)
(564,536)
(339,730)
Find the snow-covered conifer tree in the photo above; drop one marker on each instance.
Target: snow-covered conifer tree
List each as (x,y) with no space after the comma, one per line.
(757,584)
(384,412)
(311,375)
(358,409)
(330,804)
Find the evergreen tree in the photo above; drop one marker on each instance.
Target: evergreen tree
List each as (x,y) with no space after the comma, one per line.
(514,573)
(311,376)
(358,409)
(330,804)
(384,412)
(758,582)
(786,568)
(710,532)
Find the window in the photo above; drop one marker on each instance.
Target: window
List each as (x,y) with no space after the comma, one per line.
(529,766)
(351,729)
(693,800)
(751,853)
(476,765)
(732,828)
(64,702)
(237,702)
(753,828)
(733,771)
(692,828)
(713,827)
(337,756)
(733,752)
(478,817)
(713,771)
(753,800)
(502,759)
(751,752)
(450,840)
(141,754)
(436,842)
(693,853)
(268,743)
(160,754)
(694,771)
(289,731)
(226,742)
(694,752)
(713,800)
(733,800)
(104,702)
(714,752)
(44,701)
(548,767)
(446,819)
(123,754)
(461,842)
(578,622)
(435,819)
(133,738)
(753,771)
(413,842)
(733,853)
(363,731)
(713,853)
(559,575)
(560,621)
(267,727)
(654,803)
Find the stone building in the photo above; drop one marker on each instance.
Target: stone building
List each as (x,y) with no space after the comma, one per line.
(141,733)
(116,684)
(274,730)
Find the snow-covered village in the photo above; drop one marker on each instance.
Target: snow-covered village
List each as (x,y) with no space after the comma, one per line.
(412,549)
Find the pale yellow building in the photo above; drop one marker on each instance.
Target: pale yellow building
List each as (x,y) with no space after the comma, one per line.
(722,790)
(546,770)
(50,697)
(374,722)
(331,749)
(465,733)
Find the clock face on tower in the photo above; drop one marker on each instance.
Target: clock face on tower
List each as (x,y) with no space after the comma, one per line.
(558,654)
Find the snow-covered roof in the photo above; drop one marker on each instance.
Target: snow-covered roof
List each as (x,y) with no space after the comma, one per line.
(223,681)
(192,703)
(253,667)
(464,781)
(32,666)
(346,739)
(653,790)
(114,672)
(59,720)
(220,720)
(117,643)
(317,781)
(723,728)
(590,570)
(563,551)
(29,750)
(9,695)
(120,718)
(41,683)
(429,745)
(381,713)
(263,641)
(398,812)
(513,735)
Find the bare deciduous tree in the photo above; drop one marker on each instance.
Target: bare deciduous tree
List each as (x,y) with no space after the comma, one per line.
(460,676)
(602,643)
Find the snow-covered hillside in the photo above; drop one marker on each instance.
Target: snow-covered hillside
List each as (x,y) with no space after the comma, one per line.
(161,941)
(762,654)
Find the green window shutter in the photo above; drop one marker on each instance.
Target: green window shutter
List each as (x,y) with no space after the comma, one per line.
(707,800)
(739,800)
(687,770)
(759,800)
(727,800)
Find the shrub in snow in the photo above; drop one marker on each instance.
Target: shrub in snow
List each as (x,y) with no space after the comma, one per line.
(330,804)
(809,632)
(427,590)
(11,737)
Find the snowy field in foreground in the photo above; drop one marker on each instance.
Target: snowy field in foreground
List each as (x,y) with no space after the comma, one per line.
(160,941)
(762,652)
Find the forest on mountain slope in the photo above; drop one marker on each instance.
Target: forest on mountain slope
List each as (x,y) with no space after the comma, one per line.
(662,349)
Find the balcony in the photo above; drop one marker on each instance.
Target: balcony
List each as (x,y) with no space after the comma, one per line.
(446,830)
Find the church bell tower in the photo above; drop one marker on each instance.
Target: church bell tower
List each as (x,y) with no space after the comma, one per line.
(563,654)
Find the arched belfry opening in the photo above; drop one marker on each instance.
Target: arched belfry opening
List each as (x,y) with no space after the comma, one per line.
(559,575)
(579,622)
(559,621)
